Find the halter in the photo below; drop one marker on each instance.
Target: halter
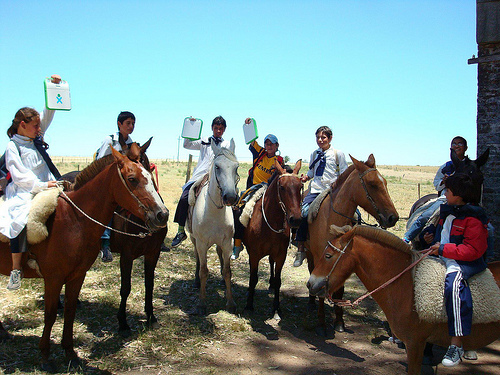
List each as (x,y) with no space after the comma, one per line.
(368,196)
(342,252)
(280,202)
(141,205)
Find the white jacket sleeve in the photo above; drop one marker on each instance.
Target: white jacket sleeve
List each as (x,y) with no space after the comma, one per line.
(105,148)
(22,176)
(438,179)
(310,172)
(192,145)
(342,162)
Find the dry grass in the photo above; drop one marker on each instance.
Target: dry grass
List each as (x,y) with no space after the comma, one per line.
(182,338)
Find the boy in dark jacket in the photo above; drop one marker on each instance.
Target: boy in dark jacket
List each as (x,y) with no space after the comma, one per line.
(461,241)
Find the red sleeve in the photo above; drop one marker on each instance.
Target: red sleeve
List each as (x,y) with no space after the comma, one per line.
(474,244)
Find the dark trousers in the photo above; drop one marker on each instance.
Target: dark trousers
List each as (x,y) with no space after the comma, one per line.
(458,300)
(20,243)
(182,207)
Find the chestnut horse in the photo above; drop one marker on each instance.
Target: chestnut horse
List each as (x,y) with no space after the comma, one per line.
(268,231)
(361,184)
(73,241)
(376,256)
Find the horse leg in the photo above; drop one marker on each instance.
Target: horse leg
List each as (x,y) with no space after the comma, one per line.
(277,285)
(221,262)
(272,277)
(72,291)
(51,299)
(225,259)
(339,324)
(254,277)
(4,335)
(203,272)
(414,355)
(310,266)
(150,262)
(196,282)
(125,287)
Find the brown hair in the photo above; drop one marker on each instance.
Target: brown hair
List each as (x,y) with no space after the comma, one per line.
(25,114)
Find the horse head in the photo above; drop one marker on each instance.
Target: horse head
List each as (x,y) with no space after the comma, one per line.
(374,196)
(289,188)
(472,169)
(225,171)
(139,196)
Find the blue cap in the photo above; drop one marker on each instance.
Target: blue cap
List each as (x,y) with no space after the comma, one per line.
(272,138)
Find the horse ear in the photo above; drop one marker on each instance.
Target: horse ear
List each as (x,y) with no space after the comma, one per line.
(119,158)
(370,162)
(145,146)
(278,167)
(480,161)
(232,145)
(298,165)
(356,162)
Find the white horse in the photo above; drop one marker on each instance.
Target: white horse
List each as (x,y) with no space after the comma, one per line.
(212,219)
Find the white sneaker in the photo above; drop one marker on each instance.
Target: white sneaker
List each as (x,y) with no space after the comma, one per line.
(236,252)
(15,280)
(299,258)
(453,356)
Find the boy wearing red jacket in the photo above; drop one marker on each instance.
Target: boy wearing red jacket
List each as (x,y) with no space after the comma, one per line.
(461,241)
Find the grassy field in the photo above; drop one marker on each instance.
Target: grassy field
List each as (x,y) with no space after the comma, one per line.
(182,339)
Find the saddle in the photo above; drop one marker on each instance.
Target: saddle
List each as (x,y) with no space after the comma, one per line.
(316,204)
(257,191)
(195,190)
(42,206)
(429,278)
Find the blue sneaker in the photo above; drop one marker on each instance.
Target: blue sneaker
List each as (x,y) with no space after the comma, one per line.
(179,237)
(236,252)
(453,356)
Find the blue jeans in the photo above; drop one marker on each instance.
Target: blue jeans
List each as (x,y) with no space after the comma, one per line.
(417,226)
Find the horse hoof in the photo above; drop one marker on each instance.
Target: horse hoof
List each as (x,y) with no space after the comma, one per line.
(74,364)
(339,327)
(277,316)
(49,367)
(125,333)
(325,332)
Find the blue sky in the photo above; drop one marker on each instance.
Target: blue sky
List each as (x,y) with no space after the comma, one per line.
(390,77)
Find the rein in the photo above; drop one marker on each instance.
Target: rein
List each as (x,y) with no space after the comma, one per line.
(140,235)
(282,205)
(348,303)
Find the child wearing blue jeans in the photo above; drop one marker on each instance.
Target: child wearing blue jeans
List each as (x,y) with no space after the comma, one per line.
(460,239)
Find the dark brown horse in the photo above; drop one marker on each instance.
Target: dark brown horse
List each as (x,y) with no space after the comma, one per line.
(360,185)
(376,256)
(73,242)
(268,231)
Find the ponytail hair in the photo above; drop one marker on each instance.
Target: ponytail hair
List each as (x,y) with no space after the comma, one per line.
(25,114)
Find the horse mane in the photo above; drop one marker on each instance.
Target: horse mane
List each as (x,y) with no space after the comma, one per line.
(381,235)
(92,170)
(341,179)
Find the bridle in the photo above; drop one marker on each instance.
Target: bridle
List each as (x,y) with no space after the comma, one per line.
(221,206)
(341,252)
(141,205)
(368,196)
(280,202)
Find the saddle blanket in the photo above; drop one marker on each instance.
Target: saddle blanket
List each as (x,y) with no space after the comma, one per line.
(42,206)
(429,278)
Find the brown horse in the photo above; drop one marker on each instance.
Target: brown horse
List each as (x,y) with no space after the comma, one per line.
(73,242)
(361,184)
(268,231)
(131,248)
(376,256)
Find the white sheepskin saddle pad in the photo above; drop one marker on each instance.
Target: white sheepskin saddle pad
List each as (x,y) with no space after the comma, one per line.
(196,188)
(42,206)
(316,204)
(429,293)
(248,209)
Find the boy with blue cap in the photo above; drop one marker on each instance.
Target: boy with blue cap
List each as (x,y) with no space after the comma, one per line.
(261,171)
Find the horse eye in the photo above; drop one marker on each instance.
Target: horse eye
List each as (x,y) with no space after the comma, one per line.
(328,255)
(133,181)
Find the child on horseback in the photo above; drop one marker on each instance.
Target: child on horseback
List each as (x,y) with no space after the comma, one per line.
(126,125)
(261,171)
(459,145)
(202,168)
(460,239)
(325,165)
(31,171)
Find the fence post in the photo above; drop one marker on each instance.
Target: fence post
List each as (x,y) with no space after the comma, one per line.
(188,172)
(418,187)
